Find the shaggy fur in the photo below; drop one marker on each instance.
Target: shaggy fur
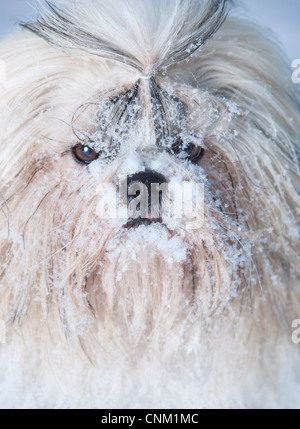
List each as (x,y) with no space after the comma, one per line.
(98,315)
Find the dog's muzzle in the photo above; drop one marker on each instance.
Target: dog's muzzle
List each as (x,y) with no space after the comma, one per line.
(144,198)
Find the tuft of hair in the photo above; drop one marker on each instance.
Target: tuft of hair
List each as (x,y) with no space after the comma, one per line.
(161,32)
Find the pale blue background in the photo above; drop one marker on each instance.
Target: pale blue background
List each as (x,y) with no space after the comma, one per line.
(282,16)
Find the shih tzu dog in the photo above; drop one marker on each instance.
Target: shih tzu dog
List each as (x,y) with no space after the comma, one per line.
(109,308)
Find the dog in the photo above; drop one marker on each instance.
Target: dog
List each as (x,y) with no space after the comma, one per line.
(148,309)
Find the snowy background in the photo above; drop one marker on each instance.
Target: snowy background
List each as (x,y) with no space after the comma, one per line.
(282,16)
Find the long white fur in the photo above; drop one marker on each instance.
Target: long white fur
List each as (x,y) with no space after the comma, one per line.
(198,319)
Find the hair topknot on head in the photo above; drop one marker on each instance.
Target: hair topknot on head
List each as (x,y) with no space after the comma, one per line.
(148,36)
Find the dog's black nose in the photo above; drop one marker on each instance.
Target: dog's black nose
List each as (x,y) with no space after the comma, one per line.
(144,197)
(147,177)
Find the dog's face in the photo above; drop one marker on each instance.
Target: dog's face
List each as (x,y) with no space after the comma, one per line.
(77,120)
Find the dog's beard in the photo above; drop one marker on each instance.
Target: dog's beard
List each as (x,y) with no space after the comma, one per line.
(129,287)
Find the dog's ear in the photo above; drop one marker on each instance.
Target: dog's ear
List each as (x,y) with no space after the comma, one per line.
(147,35)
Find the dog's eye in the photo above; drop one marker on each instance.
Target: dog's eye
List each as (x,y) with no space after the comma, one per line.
(191,151)
(84,154)
(194,153)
